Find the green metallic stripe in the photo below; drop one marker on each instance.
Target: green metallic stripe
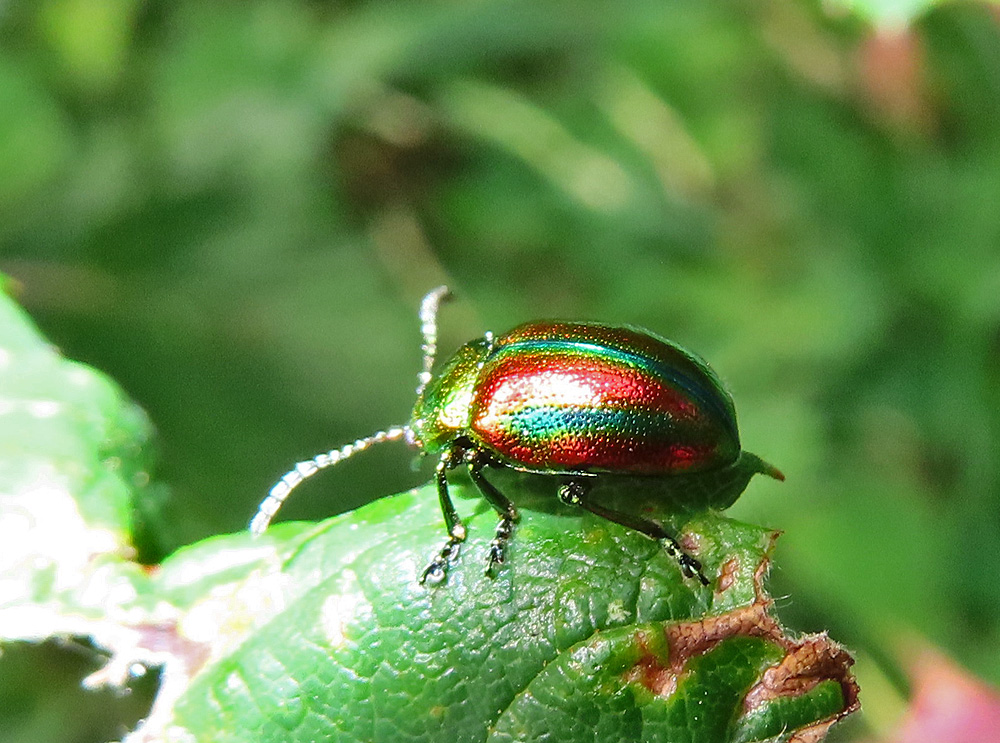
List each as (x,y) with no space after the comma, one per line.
(546,423)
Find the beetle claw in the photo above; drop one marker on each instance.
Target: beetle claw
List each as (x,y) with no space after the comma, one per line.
(496,557)
(437,570)
(690,567)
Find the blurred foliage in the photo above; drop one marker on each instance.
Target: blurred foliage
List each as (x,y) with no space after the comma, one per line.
(234,208)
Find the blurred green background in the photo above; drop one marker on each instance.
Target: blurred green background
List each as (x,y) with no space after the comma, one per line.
(234,209)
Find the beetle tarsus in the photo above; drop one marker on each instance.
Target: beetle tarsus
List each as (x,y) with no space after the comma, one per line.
(574,493)
(501,504)
(498,547)
(437,570)
(438,567)
(690,567)
(697,572)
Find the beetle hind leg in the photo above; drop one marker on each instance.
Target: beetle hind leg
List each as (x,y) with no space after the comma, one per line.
(437,570)
(502,505)
(574,493)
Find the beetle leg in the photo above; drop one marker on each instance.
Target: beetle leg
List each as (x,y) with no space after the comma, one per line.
(503,506)
(574,493)
(437,571)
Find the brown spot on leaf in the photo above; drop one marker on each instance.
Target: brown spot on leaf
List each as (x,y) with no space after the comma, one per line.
(650,672)
(688,639)
(727,574)
(815,733)
(165,639)
(811,659)
(690,542)
(808,660)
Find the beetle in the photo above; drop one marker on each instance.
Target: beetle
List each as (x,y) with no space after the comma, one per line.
(578,401)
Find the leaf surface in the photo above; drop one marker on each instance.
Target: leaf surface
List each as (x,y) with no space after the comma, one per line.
(589,632)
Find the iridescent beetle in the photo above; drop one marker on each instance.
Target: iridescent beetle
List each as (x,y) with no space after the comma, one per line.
(573,400)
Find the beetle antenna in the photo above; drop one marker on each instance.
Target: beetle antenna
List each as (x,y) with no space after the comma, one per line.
(428,327)
(294,477)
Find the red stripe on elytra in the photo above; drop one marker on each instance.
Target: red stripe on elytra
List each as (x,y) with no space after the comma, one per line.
(566,380)
(514,382)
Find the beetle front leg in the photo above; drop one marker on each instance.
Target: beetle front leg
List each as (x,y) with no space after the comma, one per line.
(503,506)
(574,493)
(437,571)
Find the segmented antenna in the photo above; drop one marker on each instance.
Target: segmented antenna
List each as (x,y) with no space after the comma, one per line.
(293,478)
(428,327)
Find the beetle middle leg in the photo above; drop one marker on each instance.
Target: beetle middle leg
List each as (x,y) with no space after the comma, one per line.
(501,504)
(574,493)
(438,568)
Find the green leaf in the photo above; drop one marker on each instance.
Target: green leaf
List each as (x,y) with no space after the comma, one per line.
(329,635)
(73,468)
(589,631)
